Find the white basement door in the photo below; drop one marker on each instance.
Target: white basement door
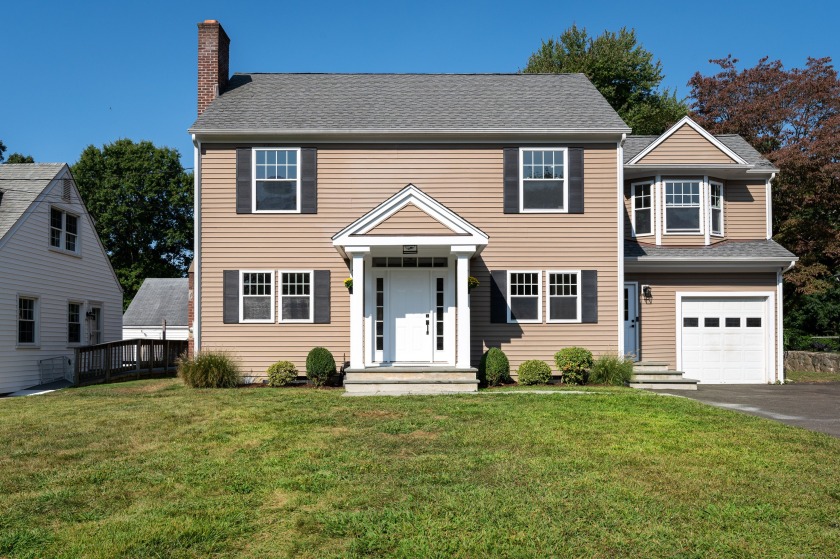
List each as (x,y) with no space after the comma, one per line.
(724,339)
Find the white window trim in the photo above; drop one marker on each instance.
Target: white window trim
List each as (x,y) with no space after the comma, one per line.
(722,232)
(63,238)
(652,208)
(36,344)
(665,206)
(522,208)
(242,318)
(81,322)
(508,297)
(280,296)
(548,297)
(254,181)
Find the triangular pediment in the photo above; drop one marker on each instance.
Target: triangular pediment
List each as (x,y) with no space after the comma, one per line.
(687,143)
(411,215)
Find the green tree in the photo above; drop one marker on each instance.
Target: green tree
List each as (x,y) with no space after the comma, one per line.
(622,70)
(19,158)
(142,201)
(2,150)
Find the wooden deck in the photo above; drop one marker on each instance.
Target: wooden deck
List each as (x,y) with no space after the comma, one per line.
(126,360)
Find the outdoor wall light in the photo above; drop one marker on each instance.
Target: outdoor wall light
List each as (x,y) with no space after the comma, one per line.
(646,293)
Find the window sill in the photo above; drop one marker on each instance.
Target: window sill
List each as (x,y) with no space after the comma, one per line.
(563,322)
(527,211)
(683,233)
(257,322)
(76,254)
(275,211)
(289,321)
(535,321)
(637,235)
(27,346)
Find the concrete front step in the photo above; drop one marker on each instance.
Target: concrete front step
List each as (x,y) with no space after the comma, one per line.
(400,388)
(682,384)
(400,379)
(385,375)
(644,366)
(657,375)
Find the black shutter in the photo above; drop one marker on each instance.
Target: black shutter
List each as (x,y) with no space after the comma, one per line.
(589,288)
(321,285)
(243,180)
(230,290)
(498,296)
(511,180)
(309,182)
(575,180)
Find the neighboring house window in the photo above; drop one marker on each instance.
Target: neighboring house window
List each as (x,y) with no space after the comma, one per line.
(524,296)
(682,207)
(716,207)
(256,298)
(276,180)
(27,321)
(64,230)
(564,296)
(543,180)
(74,323)
(642,209)
(296,296)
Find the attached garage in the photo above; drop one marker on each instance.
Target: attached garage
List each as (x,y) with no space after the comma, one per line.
(726,339)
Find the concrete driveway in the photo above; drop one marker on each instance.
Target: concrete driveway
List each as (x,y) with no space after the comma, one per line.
(810,406)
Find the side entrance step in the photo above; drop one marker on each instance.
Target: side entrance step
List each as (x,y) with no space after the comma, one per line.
(653,375)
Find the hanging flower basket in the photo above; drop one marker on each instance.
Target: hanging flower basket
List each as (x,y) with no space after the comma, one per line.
(348,283)
(472,283)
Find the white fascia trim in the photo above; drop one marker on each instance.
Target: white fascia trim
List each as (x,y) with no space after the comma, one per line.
(401,131)
(770,308)
(768,205)
(689,166)
(658,210)
(697,128)
(620,247)
(635,264)
(196,302)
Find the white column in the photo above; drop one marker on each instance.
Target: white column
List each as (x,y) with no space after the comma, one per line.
(462,354)
(357,307)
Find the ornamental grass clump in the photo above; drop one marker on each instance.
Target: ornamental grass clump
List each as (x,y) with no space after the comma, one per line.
(209,369)
(282,373)
(573,364)
(611,369)
(534,372)
(320,365)
(494,368)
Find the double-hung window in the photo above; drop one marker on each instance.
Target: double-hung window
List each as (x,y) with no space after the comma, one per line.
(543,184)
(256,296)
(642,194)
(74,323)
(276,186)
(682,206)
(716,208)
(296,296)
(524,296)
(564,296)
(64,230)
(27,321)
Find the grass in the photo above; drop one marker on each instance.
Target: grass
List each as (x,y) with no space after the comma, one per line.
(811,377)
(153,469)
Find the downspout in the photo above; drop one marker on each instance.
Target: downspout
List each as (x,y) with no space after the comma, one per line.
(196,243)
(620,165)
(768,202)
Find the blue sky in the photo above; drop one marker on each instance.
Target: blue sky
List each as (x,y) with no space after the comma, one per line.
(75,74)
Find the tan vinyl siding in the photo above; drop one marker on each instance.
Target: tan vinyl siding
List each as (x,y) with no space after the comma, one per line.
(685,145)
(411,220)
(658,335)
(351,182)
(745,209)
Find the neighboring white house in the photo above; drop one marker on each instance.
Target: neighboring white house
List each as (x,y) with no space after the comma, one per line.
(58,290)
(159,301)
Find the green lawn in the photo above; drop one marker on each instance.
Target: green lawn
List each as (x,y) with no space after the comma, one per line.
(152,469)
(811,377)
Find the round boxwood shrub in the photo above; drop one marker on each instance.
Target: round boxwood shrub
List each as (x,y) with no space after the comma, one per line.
(282,373)
(494,368)
(573,364)
(209,369)
(534,372)
(320,364)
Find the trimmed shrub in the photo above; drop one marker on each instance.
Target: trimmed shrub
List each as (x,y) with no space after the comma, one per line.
(494,368)
(320,365)
(282,373)
(534,372)
(209,369)
(611,369)
(573,363)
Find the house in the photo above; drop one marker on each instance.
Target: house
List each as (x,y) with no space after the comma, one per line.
(58,289)
(160,305)
(578,234)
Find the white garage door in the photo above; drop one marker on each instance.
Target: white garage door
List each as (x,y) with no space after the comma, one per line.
(724,339)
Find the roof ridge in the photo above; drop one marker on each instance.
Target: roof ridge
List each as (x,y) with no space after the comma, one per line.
(407,74)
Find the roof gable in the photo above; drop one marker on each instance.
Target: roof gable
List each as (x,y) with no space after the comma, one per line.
(21,185)
(159,299)
(687,143)
(411,220)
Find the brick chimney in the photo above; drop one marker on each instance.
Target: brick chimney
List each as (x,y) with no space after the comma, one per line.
(213,67)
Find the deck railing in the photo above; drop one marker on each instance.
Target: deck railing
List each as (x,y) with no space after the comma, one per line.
(126,359)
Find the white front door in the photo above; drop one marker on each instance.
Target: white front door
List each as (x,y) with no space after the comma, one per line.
(631,320)
(410,315)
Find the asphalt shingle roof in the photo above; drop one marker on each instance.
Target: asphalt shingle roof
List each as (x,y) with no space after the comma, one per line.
(400,102)
(159,299)
(734,250)
(635,144)
(20,185)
